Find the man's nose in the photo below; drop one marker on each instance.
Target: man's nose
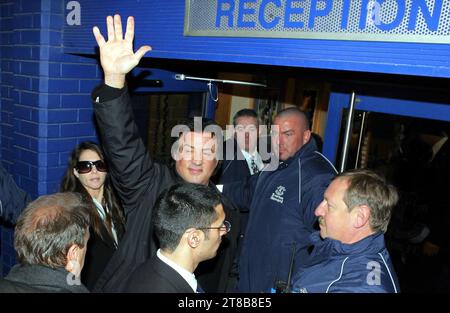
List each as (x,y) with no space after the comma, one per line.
(198,156)
(320,210)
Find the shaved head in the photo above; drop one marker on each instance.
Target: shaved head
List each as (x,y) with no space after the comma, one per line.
(290,132)
(295,112)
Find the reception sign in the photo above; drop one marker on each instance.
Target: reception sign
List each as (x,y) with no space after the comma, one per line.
(426,21)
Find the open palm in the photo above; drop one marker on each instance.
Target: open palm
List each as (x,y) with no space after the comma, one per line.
(116,54)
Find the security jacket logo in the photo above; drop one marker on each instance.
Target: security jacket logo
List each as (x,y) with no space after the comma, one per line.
(278,194)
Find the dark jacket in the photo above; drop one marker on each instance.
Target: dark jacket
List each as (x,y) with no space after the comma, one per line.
(139,180)
(364,266)
(156,276)
(39,278)
(282,204)
(232,170)
(12,199)
(99,251)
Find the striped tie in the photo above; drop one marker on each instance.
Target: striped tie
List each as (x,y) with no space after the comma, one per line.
(255,168)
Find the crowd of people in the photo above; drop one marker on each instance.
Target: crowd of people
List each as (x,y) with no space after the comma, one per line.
(125,223)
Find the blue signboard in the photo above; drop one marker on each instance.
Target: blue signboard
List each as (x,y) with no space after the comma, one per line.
(297,31)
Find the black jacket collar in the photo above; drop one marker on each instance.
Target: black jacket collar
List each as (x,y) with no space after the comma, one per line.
(46,279)
(307,148)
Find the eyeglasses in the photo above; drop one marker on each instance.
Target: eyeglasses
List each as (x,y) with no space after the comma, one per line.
(225,226)
(84,167)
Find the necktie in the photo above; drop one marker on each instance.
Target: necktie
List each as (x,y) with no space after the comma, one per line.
(254,167)
(199,289)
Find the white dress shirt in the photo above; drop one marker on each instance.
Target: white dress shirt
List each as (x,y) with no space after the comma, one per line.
(102,213)
(255,157)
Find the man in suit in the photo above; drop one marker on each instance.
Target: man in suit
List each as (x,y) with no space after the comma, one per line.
(241,160)
(189,222)
(241,155)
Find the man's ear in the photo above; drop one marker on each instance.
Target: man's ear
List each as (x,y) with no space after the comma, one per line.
(362,216)
(72,258)
(306,136)
(194,238)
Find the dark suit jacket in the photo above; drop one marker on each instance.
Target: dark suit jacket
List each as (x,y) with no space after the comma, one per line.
(232,170)
(156,276)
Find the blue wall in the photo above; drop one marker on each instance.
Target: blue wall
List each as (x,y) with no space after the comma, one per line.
(45,99)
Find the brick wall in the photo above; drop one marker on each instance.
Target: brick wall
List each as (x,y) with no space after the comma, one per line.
(44,99)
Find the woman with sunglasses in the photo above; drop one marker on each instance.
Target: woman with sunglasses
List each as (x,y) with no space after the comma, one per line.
(87,174)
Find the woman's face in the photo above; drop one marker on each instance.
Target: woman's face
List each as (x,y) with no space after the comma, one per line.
(94,180)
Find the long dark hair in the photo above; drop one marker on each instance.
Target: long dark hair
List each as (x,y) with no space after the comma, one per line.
(111,203)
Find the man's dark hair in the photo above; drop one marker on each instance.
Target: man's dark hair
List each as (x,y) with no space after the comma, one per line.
(193,124)
(181,207)
(189,122)
(49,226)
(199,124)
(245,113)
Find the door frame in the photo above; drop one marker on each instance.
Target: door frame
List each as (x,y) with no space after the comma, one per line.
(340,101)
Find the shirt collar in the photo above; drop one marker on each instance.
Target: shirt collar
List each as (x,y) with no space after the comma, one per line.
(188,276)
(255,157)
(249,155)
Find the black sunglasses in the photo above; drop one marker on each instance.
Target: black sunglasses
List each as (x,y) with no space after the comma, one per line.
(84,167)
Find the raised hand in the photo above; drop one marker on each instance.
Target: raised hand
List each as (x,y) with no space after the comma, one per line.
(116,55)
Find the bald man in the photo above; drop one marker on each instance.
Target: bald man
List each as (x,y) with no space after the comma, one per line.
(281,204)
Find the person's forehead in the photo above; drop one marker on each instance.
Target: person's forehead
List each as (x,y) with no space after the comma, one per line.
(246,120)
(288,123)
(89,155)
(201,137)
(338,185)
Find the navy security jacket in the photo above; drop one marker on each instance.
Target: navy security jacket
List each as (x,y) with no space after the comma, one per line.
(364,266)
(12,199)
(281,204)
